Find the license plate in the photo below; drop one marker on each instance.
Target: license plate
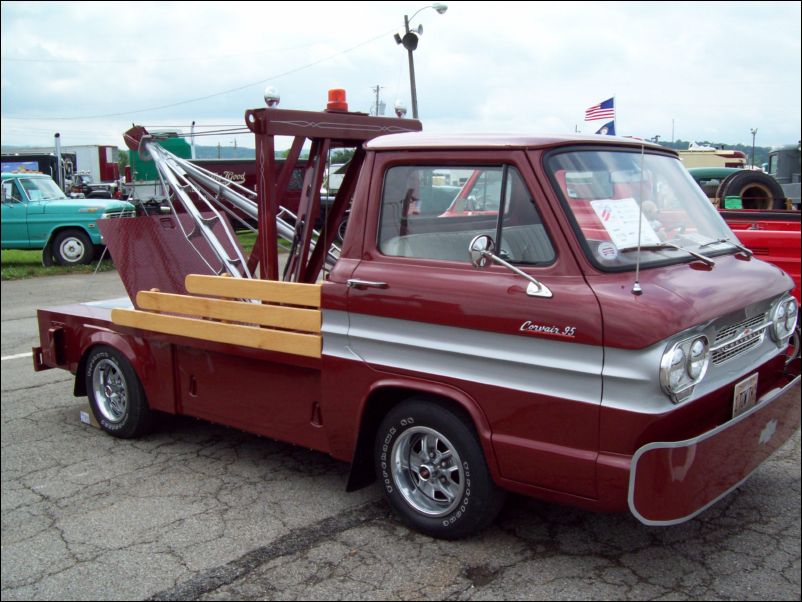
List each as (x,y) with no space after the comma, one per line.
(745,395)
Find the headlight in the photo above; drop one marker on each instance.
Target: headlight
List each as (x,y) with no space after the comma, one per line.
(783,319)
(697,362)
(683,366)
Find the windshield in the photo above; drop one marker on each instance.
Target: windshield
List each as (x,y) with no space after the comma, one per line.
(41,189)
(618,199)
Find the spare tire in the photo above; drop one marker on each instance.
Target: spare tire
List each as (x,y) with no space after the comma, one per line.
(757,190)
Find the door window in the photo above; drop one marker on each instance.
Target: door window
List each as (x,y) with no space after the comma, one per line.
(433,212)
(10,192)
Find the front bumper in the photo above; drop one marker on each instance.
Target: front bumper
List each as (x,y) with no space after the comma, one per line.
(671,482)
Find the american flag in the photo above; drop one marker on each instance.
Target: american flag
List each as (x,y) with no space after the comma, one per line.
(603,110)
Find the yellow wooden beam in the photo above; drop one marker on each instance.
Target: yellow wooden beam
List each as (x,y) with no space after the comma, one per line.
(307,345)
(276,316)
(271,291)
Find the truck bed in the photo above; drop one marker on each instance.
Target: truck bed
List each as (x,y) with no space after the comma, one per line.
(773,236)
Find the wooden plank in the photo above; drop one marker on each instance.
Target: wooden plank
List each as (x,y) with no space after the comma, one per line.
(288,318)
(307,345)
(271,291)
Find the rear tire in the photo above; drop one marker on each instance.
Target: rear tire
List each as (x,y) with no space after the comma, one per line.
(116,395)
(433,470)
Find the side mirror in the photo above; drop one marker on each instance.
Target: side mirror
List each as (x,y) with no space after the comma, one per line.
(481,250)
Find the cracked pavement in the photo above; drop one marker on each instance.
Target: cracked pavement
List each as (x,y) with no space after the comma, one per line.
(196,511)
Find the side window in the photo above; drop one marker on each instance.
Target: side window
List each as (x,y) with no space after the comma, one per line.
(10,192)
(433,212)
(523,238)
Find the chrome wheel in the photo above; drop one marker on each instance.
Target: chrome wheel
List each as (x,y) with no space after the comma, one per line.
(110,390)
(428,472)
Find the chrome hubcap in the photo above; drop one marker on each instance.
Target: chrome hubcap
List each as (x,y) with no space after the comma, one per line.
(111,392)
(72,249)
(428,471)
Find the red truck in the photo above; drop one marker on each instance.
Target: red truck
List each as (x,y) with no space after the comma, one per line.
(577,323)
(773,236)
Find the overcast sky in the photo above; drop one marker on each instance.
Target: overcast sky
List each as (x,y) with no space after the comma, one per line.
(708,70)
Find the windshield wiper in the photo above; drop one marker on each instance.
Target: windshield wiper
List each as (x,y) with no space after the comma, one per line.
(670,245)
(728,241)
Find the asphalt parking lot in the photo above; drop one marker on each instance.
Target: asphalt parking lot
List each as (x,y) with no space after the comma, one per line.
(196,511)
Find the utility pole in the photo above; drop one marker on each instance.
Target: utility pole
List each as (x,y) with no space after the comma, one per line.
(376,89)
(754,133)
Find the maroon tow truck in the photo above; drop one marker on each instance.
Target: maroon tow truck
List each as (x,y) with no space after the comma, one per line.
(563,317)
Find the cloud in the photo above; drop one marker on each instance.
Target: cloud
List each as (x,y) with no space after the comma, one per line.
(714,69)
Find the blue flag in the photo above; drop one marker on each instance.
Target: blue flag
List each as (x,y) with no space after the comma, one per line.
(608,129)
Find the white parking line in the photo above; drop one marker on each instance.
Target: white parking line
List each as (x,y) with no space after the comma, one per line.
(17,356)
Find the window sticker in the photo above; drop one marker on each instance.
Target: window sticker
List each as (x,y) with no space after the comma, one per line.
(620,218)
(607,251)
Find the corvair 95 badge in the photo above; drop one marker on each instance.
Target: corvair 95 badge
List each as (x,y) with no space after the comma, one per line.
(529,327)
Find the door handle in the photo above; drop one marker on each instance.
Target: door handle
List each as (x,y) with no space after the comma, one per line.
(354,283)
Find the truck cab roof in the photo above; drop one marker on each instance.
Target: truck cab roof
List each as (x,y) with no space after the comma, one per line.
(420,140)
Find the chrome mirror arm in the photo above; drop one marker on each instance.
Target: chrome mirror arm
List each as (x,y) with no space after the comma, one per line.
(481,249)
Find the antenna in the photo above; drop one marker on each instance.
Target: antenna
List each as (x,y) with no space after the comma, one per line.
(636,288)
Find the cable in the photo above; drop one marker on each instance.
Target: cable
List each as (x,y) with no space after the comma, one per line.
(208,96)
(141,60)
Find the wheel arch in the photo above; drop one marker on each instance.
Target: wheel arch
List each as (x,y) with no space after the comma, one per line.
(387,394)
(56,230)
(107,339)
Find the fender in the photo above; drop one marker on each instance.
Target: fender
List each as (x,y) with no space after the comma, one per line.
(395,389)
(93,234)
(143,359)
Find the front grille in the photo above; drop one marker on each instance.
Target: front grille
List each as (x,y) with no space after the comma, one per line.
(735,339)
(113,214)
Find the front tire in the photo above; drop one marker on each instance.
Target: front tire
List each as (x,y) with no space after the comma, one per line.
(433,471)
(116,395)
(72,247)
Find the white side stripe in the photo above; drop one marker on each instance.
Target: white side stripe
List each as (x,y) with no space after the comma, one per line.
(527,364)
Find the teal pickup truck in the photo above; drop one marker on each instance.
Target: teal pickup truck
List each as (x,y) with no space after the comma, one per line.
(36,214)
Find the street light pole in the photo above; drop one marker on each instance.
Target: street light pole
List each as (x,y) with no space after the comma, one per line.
(410,42)
(413,89)
(754,133)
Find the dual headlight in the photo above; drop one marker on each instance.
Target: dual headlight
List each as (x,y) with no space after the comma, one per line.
(783,319)
(683,366)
